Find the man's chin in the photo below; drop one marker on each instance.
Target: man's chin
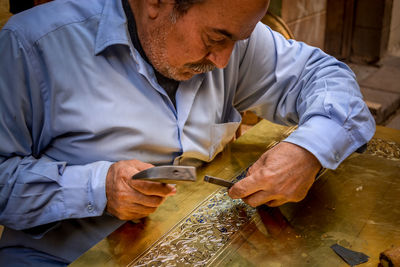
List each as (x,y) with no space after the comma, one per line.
(187,75)
(183,76)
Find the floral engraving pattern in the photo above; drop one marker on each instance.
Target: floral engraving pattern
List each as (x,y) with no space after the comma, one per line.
(196,239)
(384,148)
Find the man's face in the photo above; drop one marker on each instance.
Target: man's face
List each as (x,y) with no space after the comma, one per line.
(201,39)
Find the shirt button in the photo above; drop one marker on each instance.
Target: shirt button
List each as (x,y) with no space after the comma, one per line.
(90,207)
(337,157)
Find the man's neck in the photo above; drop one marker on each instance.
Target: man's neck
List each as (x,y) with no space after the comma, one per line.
(133,30)
(169,85)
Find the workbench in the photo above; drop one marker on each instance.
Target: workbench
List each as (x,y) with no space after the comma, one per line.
(356,206)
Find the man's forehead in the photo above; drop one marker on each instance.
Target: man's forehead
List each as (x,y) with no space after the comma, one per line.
(234,19)
(230,35)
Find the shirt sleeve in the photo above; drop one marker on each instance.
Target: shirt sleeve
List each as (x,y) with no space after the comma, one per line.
(289,82)
(34,189)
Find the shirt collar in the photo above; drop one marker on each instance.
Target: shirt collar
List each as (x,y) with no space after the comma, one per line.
(112,27)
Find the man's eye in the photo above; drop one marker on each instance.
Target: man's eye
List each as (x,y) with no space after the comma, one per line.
(218,40)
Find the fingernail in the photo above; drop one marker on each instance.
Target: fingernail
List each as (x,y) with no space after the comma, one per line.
(173,192)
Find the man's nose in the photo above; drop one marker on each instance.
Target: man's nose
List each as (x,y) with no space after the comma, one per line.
(220,56)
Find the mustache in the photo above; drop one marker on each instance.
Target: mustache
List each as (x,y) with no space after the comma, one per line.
(205,66)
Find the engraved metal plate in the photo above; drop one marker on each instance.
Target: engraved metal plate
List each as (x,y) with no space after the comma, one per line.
(196,239)
(355,206)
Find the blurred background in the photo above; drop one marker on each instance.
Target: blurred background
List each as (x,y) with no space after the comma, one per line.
(363,33)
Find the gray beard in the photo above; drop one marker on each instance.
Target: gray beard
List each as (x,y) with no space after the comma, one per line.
(201,67)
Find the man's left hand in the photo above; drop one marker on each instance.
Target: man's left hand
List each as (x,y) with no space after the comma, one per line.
(283,174)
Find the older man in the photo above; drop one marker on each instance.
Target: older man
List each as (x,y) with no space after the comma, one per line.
(94,91)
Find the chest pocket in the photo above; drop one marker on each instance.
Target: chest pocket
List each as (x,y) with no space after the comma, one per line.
(222,133)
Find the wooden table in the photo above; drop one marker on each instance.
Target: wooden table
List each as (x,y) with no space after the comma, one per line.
(356,206)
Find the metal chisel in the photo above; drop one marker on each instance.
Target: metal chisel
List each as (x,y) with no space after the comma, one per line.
(218,181)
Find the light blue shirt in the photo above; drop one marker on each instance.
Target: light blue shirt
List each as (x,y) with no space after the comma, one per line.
(76,97)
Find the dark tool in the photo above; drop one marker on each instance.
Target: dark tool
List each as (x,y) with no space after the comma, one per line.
(349,256)
(218,181)
(169,174)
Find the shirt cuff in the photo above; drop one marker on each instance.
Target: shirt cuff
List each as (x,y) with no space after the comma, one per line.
(329,142)
(85,189)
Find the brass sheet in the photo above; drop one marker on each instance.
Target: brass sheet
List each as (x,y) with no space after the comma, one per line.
(356,206)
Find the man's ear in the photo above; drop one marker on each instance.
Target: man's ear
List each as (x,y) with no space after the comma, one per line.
(153,8)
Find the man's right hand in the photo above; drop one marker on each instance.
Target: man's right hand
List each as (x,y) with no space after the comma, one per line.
(129,199)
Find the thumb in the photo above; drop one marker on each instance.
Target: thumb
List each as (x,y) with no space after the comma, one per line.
(244,188)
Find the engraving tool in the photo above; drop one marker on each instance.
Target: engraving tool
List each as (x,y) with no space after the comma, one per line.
(218,181)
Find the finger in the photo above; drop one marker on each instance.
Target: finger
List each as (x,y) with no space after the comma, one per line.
(140,165)
(141,205)
(135,216)
(276,202)
(131,167)
(131,211)
(245,187)
(153,188)
(145,200)
(260,197)
(141,209)
(125,211)
(130,216)
(128,195)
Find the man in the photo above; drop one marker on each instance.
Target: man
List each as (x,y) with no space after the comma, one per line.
(94,91)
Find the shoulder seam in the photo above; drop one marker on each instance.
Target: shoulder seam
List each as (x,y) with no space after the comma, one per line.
(14,28)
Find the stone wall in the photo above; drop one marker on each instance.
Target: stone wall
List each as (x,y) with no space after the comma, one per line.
(306,19)
(371,30)
(394,36)
(374,29)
